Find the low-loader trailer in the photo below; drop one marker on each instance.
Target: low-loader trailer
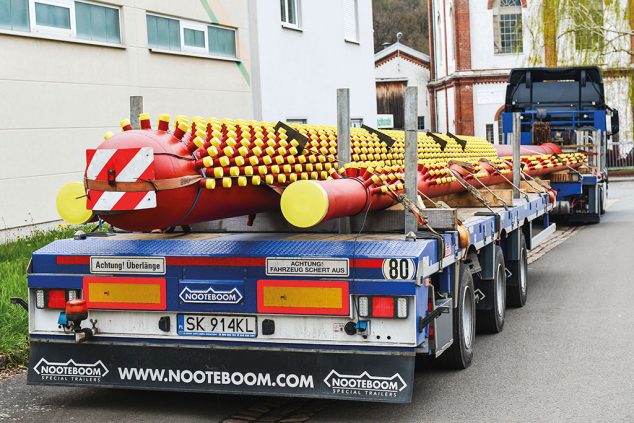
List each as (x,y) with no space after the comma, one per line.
(269,312)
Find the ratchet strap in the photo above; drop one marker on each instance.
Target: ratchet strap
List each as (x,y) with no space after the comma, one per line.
(143,186)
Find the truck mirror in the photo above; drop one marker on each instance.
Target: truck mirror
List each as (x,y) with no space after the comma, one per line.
(614,123)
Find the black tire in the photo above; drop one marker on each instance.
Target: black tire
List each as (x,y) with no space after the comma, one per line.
(602,199)
(460,354)
(491,319)
(517,283)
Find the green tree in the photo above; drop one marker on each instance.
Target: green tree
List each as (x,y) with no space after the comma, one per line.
(407,16)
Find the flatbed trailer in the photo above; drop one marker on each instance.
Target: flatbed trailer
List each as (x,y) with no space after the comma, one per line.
(307,314)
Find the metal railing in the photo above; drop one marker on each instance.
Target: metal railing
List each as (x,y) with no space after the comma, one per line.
(620,155)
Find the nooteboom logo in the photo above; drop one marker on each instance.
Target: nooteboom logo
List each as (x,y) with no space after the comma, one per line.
(70,371)
(210,296)
(365,384)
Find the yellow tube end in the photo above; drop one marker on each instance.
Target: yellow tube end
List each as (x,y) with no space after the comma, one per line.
(71,204)
(304,203)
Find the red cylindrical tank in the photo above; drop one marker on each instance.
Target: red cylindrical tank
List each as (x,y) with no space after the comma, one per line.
(506,150)
(186,205)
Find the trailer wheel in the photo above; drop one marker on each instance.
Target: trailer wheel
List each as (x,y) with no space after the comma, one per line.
(492,320)
(460,354)
(517,283)
(603,198)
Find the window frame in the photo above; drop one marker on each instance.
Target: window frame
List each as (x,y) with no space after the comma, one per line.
(298,15)
(63,34)
(418,123)
(235,41)
(194,26)
(489,133)
(191,50)
(107,6)
(297,121)
(354,40)
(43,29)
(498,12)
(356,122)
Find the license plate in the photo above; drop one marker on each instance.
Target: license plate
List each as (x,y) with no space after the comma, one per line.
(217,325)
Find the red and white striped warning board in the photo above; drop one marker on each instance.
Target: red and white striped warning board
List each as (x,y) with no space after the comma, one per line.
(124,165)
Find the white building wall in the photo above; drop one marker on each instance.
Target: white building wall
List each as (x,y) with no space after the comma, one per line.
(451,40)
(483,55)
(441,117)
(440,65)
(59,98)
(487,100)
(616,96)
(451,107)
(300,70)
(416,75)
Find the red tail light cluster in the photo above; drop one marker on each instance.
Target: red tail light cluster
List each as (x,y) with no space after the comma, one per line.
(54,298)
(383,307)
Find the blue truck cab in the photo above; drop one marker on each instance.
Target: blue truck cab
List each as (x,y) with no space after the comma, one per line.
(566,107)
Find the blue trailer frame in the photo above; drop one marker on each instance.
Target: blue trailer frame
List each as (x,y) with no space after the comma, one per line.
(363,368)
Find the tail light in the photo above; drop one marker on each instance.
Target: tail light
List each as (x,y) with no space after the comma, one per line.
(383,307)
(54,298)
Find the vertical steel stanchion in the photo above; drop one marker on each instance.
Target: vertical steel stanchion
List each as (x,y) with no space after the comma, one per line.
(343,142)
(411,154)
(517,140)
(136,108)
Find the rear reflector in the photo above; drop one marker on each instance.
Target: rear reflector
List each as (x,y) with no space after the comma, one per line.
(303,297)
(125,293)
(383,307)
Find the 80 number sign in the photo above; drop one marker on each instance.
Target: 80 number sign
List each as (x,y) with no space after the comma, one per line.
(394,269)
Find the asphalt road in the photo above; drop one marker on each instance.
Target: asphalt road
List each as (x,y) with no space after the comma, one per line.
(567,355)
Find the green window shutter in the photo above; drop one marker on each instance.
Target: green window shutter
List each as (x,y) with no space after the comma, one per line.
(163,33)
(14,14)
(97,23)
(222,41)
(53,16)
(194,38)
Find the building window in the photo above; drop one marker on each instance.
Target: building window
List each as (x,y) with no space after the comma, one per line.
(589,26)
(163,33)
(97,23)
(489,132)
(53,15)
(290,12)
(421,123)
(62,19)
(14,14)
(500,130)
(507,27)
(351,20)
(192,37)
(356,122)
(222,41)
(297,121)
